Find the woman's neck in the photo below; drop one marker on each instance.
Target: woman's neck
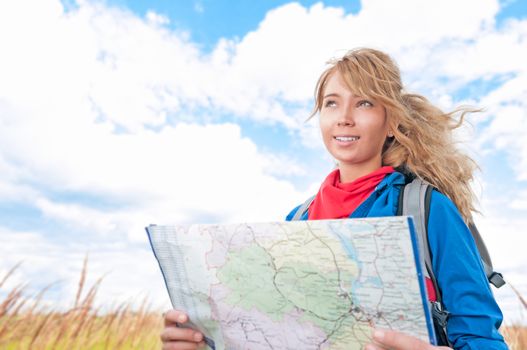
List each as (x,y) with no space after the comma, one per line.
(351,172)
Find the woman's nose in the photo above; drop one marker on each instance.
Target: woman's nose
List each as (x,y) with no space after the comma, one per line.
(345,123)
(346,117)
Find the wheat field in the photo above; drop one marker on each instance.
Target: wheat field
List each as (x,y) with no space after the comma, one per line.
(26,324)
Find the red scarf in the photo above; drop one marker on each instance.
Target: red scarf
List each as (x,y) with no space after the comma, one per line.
(336,200)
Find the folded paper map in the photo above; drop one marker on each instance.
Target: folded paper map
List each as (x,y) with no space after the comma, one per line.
(295,285)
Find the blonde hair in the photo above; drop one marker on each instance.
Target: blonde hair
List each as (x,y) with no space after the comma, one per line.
(422,142)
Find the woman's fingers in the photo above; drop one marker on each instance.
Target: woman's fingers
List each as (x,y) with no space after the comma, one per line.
(399,341)
(178,338)
(175,316)
(180,334)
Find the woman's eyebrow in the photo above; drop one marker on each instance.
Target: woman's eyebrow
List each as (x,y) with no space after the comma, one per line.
(333,94)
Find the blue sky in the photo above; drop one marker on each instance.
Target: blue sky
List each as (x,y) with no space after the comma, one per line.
(139,112)
(208,21)
(512,9)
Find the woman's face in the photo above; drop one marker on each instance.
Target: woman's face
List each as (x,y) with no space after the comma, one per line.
(354,128)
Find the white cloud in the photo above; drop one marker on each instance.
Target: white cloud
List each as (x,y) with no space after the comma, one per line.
(520,203)
(156,18)
(186,168)
(508,126)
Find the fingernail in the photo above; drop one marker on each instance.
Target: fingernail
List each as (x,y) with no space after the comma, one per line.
(182,318)
(198,337)
(370,347)
(378,334)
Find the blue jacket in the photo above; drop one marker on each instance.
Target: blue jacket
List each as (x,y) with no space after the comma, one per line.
(474,314)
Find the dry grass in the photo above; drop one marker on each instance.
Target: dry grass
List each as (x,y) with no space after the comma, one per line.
(26,324)
(516,335)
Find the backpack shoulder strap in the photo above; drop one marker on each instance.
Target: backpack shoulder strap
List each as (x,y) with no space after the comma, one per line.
(414,200)
(303,209)
(494,277)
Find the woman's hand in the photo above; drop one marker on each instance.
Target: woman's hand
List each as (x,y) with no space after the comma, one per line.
(177,338)
(386,339)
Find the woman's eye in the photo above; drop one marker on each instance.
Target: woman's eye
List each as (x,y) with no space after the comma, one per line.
(330,103)
(365,103)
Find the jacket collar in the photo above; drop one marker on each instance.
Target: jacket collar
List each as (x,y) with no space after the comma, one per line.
(393,179)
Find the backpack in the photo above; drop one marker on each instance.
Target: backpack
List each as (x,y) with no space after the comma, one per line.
(414,200)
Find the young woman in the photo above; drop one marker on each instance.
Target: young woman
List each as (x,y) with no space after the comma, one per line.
(376,132)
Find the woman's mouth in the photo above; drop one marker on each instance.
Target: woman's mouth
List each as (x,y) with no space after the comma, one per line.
(346,138)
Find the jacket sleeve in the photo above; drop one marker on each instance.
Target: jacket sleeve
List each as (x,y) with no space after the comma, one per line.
(292,213)
(474,314)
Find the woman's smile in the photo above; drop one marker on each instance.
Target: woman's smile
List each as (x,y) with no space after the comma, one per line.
(346,139)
